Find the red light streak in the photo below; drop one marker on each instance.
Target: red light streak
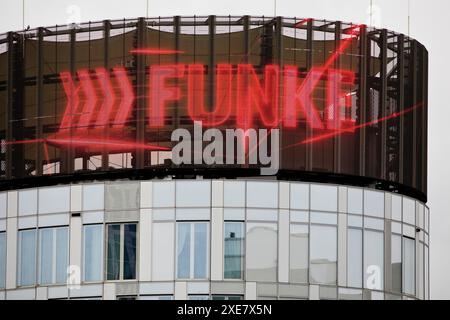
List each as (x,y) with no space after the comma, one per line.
(353,128)
(302,22)
(150,51)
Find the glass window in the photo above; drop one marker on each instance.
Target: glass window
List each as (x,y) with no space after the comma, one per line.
(262,194)
(234,193)
(354,258)
(192,250)
(3,205)
(193,194)
(163,194)
(261,252)
(93,252)
(53,255)
(54,200)
(409,211)
(323,246)
(396,263)
(2,259)
(298,253)
(299,196)
(409,266)
(396,208)
(373,259)
(323,218)
(374,203)
(93,197)
(26,275)
(323,198)
(234,250)
(122,196)
(355,201)
(121,252)
(28,202)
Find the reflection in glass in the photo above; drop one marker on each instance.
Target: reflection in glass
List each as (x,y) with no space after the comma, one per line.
(354,262)
(113,261)
(373,260)
(409,265)
(62,254)
(192,250)
(129,252)
(93,252)
(183,250)
(200,250)
(27,258)
(396,263)
(121,251)
(234,250)
(298,253)
(261,252)
(323,246)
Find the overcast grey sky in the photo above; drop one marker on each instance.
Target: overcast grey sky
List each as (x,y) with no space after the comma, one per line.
(428,25)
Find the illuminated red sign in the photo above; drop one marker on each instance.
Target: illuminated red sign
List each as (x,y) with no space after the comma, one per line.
(92,102)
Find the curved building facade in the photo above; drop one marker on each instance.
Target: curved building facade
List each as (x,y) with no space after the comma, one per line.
(213,158)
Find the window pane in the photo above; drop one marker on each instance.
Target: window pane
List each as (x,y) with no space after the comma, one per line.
(93,252)
(93,197)
(355,201)
(373,260)
(261,252)
(323,198)
(354,263)
(262,194)
(27,257)
(163,194)
(323,257)
(2,205)
(2,259)
(299,196)
(183,250)
(113,263)
(409,275)
(129,251)
(409,211)
(396,208)
(396,263)
(201,250)
(234,250)
(46,255)
(234,193)
(28,202)
(298,253)
(122,196)
(193,194)
(62,254)
(374,203)
(54,200)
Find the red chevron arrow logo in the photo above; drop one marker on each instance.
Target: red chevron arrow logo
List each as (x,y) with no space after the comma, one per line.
(82,100)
